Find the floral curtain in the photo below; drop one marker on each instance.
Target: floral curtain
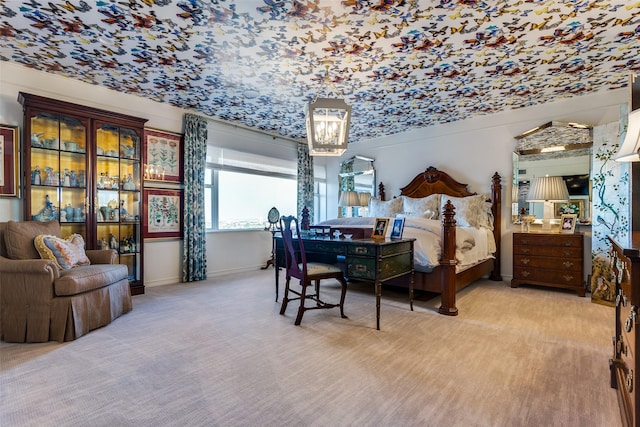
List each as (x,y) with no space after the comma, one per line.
(194,259)
(305,180)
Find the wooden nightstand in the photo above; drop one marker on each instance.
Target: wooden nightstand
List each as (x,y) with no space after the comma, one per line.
(549,259)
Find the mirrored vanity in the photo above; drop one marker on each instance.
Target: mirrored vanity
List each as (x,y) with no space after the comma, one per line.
(357,183)
(553,149)
(551,178)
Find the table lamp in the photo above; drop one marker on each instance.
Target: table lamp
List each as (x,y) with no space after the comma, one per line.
(349,199)
(550,190)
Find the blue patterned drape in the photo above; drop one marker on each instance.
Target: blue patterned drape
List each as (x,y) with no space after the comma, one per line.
(194,259)
(305,180)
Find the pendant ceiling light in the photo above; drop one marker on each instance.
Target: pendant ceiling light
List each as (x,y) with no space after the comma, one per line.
(327,123)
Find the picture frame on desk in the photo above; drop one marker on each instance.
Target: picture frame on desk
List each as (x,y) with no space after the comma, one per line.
(568,223)
(397,228)
(9,161)
(380,228)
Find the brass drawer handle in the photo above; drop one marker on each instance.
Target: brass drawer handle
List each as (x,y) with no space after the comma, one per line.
(360,250)
(568,264)
(526,273)
(360,268)
(525,250)
(567,253)
(568,277)
(525,261)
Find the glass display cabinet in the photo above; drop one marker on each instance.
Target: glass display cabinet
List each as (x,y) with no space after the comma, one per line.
(82,168)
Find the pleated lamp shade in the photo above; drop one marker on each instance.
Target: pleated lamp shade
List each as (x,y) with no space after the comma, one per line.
(548,189)
(364,197)
(349,198)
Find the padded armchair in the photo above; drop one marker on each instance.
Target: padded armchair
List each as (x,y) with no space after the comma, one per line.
(40,302)
(307,273)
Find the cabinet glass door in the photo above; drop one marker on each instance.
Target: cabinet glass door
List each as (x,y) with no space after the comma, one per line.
(58,165)
(118,195)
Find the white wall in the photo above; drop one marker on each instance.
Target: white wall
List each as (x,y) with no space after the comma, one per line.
(227,252)
(471,151)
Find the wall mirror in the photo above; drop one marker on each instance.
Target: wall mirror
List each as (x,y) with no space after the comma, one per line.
(357,181)
(554,149)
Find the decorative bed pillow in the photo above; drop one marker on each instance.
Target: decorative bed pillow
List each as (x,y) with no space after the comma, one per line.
(471,211)
(386,209)
(66,253)
(423,207)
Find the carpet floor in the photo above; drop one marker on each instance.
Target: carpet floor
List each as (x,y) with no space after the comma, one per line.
(218,353)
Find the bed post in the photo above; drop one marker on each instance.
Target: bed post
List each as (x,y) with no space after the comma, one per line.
(448,262)
(381,194)
(496,209)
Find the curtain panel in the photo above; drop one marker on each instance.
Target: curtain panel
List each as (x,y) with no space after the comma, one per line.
(194,259)
(305,181)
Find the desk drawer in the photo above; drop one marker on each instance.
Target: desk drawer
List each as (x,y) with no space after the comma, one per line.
(325,248)
(362,250)
(365,268)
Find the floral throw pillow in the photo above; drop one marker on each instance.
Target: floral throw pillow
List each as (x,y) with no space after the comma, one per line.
(66,253)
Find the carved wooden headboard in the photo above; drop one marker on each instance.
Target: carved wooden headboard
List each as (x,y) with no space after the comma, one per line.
(433,181)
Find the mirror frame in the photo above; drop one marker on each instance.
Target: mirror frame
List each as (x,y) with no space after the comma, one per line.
(552,140)
(359,166)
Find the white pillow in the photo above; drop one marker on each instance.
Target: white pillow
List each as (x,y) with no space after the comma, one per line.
(423,207)
(471,211)
(386,209)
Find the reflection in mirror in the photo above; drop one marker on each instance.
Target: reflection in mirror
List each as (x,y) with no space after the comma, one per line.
(357,180)
(554,149)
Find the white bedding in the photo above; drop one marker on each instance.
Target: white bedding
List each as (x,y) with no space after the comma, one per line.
(472,244)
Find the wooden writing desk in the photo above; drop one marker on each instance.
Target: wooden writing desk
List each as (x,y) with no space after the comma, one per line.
(365,259)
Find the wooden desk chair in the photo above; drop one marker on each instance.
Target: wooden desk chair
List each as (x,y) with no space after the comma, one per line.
(296,266)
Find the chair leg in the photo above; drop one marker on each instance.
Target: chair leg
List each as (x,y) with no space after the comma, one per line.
(285,298)
(303,295)
(318,293)
(343,293)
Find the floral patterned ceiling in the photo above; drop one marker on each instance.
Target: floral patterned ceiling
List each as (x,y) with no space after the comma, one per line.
(401,64)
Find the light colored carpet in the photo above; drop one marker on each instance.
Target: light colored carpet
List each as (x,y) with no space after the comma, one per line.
(217,353)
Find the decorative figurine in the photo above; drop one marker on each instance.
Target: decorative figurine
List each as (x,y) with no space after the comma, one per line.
(123,210)
(36,176)
(113,244)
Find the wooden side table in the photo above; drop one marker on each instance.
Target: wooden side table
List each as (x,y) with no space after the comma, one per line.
(549,259)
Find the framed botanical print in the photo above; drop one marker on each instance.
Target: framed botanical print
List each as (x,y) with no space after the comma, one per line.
(9,161)
(162,156)
(162,210)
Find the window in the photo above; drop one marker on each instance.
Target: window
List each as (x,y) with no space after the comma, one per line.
(241,188)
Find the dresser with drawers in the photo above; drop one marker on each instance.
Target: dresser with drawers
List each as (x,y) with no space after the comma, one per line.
(549,259)
(625,272)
